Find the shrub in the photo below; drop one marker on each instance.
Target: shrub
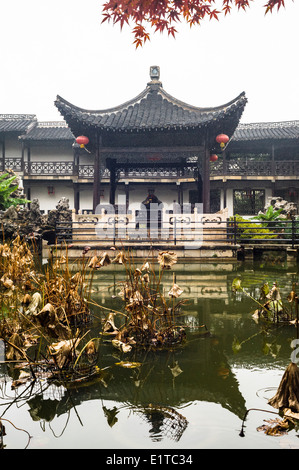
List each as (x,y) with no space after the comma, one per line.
(250,230)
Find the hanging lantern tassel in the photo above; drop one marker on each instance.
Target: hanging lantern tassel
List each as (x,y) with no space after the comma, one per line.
(82,140)
(222,139)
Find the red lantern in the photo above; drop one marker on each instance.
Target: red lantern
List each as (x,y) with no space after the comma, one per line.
(222,139)
(82,140)
(213,158)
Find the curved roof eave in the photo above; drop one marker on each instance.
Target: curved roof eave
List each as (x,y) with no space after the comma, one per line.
(141,95)
(141,113)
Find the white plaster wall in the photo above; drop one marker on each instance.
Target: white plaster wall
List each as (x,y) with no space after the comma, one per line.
(13,148)
(86,198)
(61,152)
(230,202)
(268,193)
(86,159)
(49,201)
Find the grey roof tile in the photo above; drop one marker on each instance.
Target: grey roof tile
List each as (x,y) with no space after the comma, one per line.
(51,130)
(266,131)
(152,109)
(16,122)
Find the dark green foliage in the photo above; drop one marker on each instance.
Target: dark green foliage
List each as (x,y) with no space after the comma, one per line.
(6,191)
(247,229)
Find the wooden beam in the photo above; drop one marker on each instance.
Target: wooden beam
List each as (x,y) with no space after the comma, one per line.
(152,149)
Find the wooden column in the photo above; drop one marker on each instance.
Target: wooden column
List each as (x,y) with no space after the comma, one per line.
(180,194)
(76,150)
(206,180)
(273,169)
(76,197)
(199,179)
(3,153)
(23,158)
(97,175)
(224,178)
(29,159)
(112,168)
(127,192)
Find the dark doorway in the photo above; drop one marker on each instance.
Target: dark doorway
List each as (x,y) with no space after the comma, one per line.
(153,215)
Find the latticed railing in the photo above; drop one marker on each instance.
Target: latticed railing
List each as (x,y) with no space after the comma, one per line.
(13,163)
(236,167)
(287,167)
(255,168)
(49,168)
(190,230)
(87,171)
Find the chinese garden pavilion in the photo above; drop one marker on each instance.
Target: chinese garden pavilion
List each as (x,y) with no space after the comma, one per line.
(154,129)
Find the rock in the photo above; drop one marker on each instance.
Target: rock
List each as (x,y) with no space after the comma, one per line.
(289,209)
(63,204)
(10,213)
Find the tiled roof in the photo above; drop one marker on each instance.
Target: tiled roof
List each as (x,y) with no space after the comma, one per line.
(52,130)
(16,122)
(153,109)
(266,131)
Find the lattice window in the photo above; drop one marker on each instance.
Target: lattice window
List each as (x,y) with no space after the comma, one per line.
(248,201)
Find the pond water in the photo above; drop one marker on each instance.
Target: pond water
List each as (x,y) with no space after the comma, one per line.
(194,397)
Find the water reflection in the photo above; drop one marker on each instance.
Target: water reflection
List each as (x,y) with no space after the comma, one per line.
(159,388)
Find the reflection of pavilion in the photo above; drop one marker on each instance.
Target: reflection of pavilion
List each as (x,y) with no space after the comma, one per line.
(152,391)
(153,132)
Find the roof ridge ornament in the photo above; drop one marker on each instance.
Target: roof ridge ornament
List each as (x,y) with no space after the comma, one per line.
(155,76)
(155,72)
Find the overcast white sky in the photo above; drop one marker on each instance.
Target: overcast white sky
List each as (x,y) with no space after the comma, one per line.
(60,47)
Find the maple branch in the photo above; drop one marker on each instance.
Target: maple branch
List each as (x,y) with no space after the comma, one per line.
(161,14)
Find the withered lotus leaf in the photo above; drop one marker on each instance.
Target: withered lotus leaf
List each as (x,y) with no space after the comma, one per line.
(175,291)
(175,369)
(104,260)
(14,347)
(275,427)
(120,258)
(48,319)
(93,262)
(146,267)
(90,348)
(46,315)
(125,292)
(63,352)
(36,302)
(167,259)
(123,347)
(287,395)
(128,365)
(6,281)
(274,293)
(109,326)
(76,278)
